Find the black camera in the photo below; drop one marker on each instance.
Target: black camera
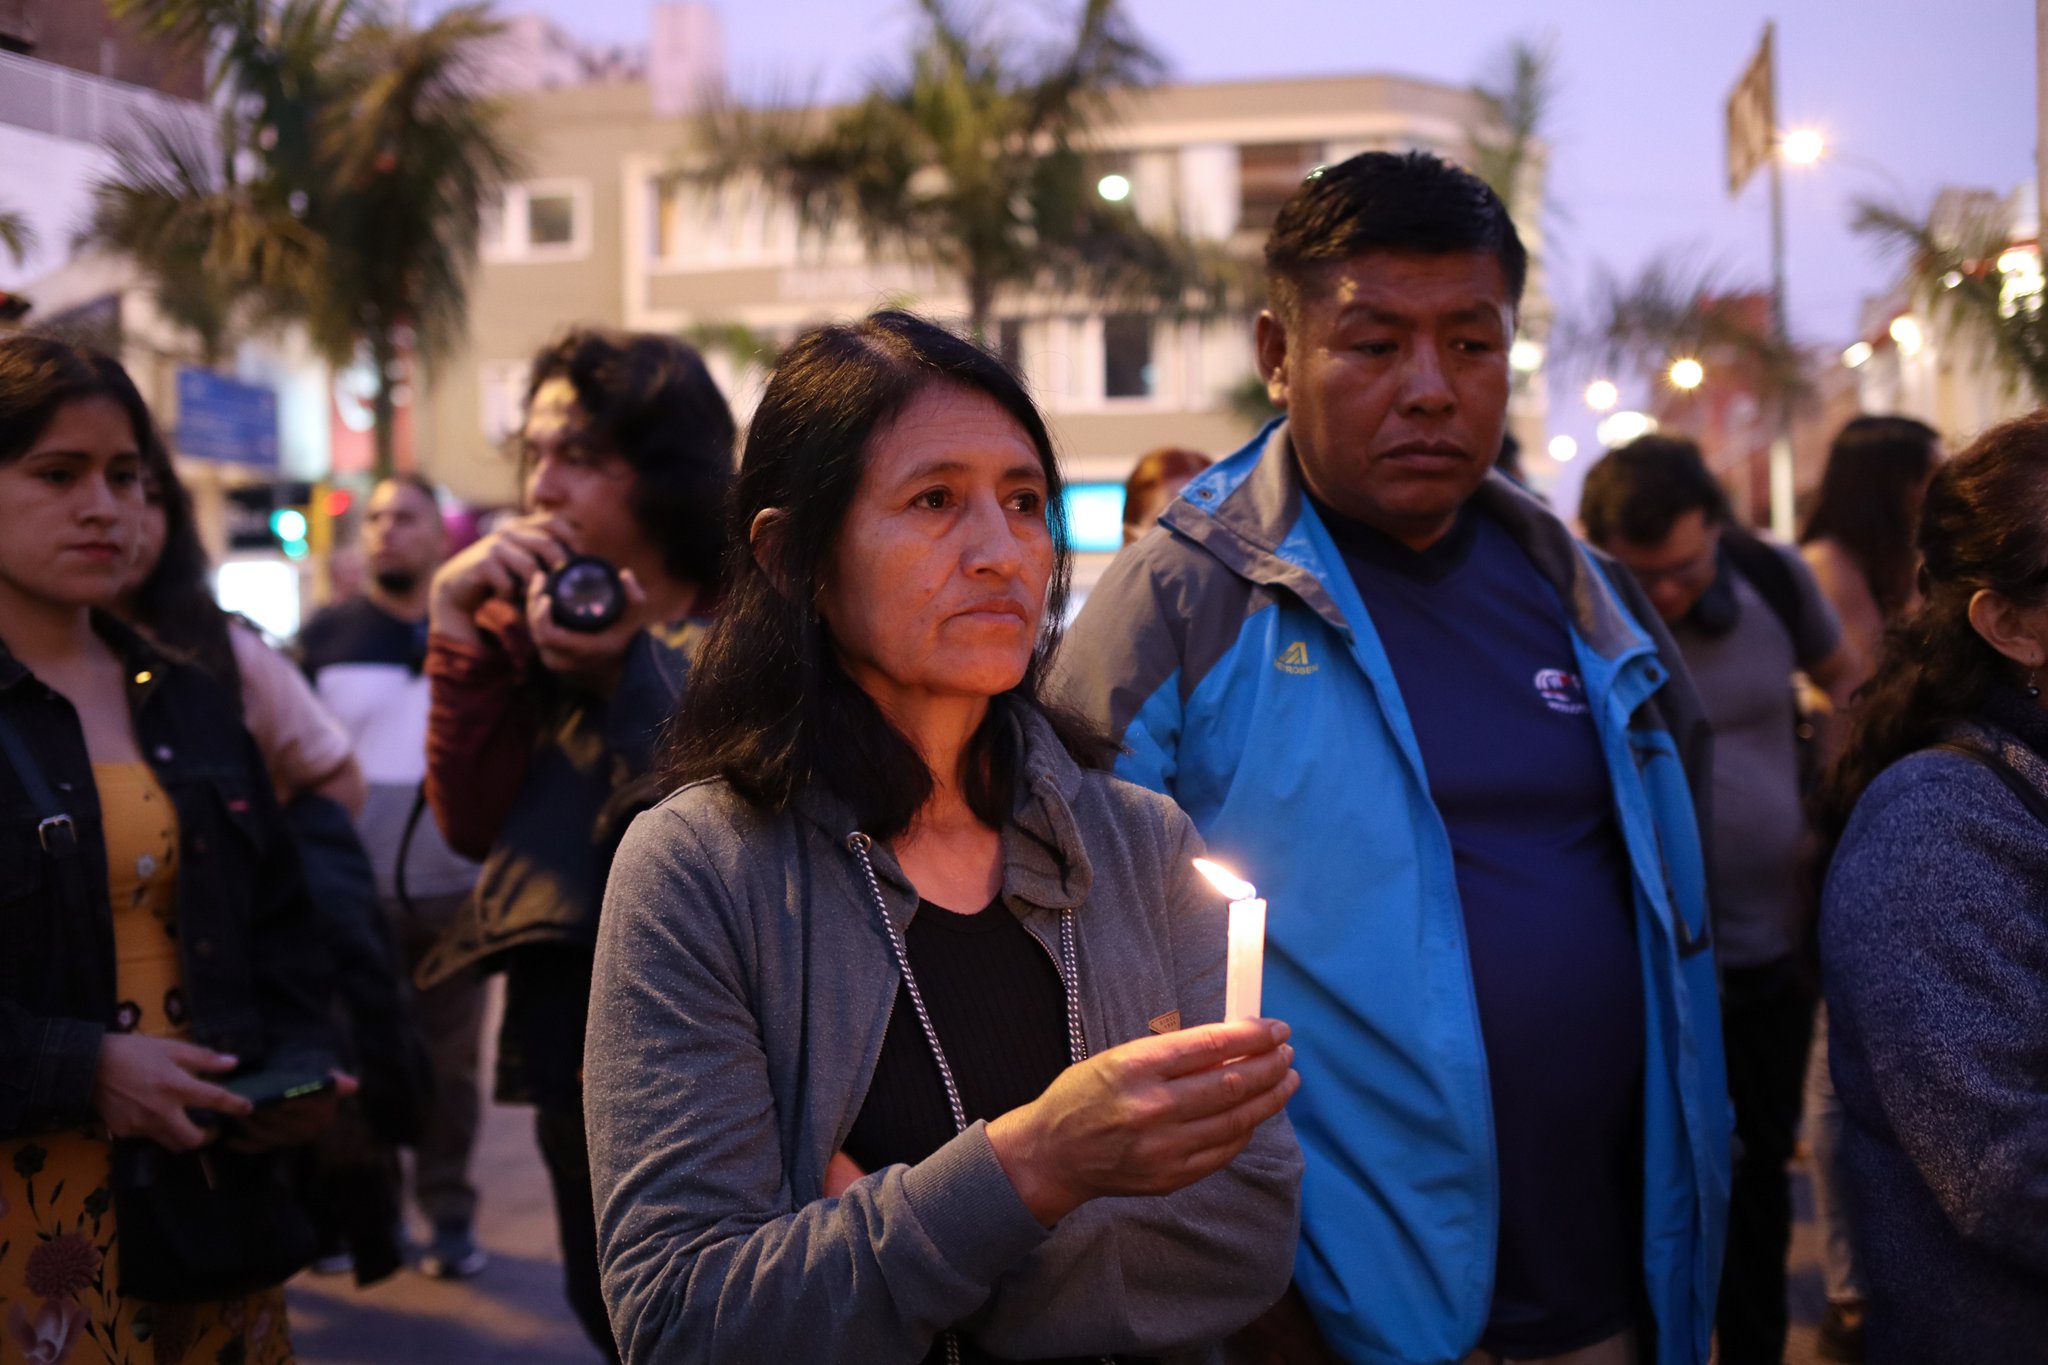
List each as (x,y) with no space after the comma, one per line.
(585,594)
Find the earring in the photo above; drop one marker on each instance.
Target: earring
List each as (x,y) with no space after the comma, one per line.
(2033,686)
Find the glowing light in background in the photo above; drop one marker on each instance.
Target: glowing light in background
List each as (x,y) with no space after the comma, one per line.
(1114,188)
(1905,330)
(1602,395)
(1563,449)
(1687,373)
(1803,146)
(1526,356)
(1619,428)
(1856,356)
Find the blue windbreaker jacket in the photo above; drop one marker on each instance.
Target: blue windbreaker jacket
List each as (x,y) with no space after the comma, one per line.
(1231,654)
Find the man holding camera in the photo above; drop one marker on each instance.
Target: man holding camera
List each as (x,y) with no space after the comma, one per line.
(552,676)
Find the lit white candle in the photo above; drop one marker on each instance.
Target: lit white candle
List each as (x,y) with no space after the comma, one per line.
(1246,963)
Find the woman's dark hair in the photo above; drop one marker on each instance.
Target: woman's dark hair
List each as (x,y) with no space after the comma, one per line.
(1984,525)
(1869,495)
(768,707)
(650,400)
(39,375)
(175,604)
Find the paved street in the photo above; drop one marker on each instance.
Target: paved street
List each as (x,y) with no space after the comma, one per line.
(514,1313)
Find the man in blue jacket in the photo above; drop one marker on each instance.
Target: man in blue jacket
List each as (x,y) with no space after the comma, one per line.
(1457,752)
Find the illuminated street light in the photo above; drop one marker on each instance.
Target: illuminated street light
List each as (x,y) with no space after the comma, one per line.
(1602,395)
(1952,279)
(1802,146)
(1857,355)
(1687,373)
(1619,428)
(1905,330)
(1563,449)
(1114,188)
(1526,356)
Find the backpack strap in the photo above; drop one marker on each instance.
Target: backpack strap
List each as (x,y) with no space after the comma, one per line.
(2015,782)
(1767,572)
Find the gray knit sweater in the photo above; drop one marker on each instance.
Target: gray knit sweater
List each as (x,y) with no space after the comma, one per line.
(743,986)
(1934,939)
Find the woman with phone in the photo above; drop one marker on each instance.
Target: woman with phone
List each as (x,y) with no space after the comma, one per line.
(159,951)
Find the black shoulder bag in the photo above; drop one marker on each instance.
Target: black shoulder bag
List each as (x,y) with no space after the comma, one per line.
(2015,781)
(193,1226)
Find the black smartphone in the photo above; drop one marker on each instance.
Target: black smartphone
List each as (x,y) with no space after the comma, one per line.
(275,1085)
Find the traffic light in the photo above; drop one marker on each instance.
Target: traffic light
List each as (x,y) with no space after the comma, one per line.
(265,516)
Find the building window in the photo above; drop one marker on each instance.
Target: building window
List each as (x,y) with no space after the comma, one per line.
(540,221)
(1268,175)
(1127,356)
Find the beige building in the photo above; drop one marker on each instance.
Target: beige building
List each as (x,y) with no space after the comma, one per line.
(602,231)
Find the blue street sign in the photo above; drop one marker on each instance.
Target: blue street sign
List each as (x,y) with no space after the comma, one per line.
(224,419)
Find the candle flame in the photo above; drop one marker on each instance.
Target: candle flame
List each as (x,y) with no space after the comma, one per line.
(1226,881)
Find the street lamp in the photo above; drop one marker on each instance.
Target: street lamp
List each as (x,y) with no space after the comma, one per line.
(1115,188)
(1858,355)
(1802,146)
(1905,330)
(1563,449)
(1602,395)
(1526,355)
(1687,373)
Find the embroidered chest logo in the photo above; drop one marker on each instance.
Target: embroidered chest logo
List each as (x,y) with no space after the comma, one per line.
(1295,660)
(1561,691)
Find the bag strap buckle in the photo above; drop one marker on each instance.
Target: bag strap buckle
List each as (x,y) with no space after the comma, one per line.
(58,835)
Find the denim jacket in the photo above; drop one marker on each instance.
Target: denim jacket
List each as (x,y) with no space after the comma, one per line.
(255,967)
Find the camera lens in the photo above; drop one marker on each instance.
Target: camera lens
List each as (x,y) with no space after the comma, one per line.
(585,594)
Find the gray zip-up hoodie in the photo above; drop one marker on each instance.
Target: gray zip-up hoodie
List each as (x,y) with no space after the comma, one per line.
(744,983)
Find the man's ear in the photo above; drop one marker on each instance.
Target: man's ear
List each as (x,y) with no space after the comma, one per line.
(1269,341)
(767,539)
(2006,628)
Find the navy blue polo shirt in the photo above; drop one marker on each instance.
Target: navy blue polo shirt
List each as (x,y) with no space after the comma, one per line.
(1480,647)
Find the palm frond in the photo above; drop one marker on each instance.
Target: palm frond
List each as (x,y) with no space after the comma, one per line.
(17,235)
(1678,307)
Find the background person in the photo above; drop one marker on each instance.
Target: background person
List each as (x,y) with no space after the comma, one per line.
(1934,930)
(1858,540)
(900,987)
(540,739)
(1155,481)
(159,935)
(1462,753)
(1747,616)
(367,657)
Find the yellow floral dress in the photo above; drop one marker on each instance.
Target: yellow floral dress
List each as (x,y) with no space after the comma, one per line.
(59,1249)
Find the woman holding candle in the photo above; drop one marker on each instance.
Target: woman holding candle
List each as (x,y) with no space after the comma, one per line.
(902,984)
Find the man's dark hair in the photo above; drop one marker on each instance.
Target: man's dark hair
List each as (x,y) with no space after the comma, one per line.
(649,400)
(768,707)
(1642,488)
(1386,201)
(419,483)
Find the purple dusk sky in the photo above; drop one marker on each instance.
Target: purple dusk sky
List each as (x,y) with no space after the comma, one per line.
(1913,97)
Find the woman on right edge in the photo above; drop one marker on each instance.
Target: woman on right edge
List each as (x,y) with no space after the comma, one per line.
(1858,540)
(903,987)
(1934,930)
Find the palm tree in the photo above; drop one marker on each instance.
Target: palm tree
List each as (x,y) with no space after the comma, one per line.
(1953,270)
(1516,94)
(16,235)
(976,163)
(370,159)
(1669,311)
(414,158)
